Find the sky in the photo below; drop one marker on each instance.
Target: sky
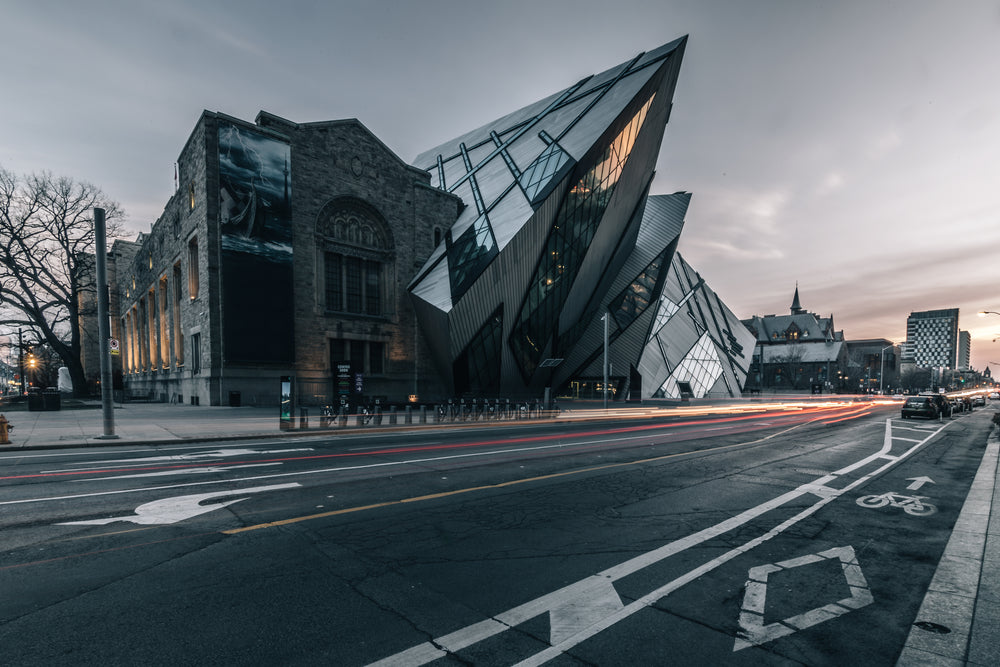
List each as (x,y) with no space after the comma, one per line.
(851,148)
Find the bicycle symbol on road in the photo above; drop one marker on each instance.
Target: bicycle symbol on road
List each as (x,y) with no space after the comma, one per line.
(910,504)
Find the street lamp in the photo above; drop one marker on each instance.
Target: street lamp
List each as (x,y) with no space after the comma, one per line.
(881,368)
(984,313)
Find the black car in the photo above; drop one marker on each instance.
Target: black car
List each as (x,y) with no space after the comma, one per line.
(930,406)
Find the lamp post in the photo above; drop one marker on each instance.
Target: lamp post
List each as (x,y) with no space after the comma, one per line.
(984,313)
(881,368)
(607,320)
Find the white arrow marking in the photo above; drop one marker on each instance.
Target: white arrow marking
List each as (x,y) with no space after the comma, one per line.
(186,471)
(179,508)
(918,482)
(213,454)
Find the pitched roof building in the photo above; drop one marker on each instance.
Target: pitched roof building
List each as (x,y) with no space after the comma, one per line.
(795,350)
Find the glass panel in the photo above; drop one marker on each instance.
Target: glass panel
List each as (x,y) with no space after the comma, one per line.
(575,225)
(373,288)
(334,282)
(469,255)
(637,296)
(667,310)
(353,285)
(539,178)
(701,368)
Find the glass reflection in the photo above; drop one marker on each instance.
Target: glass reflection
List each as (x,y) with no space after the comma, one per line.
(574,229)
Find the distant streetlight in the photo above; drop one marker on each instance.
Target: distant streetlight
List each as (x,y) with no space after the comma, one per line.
(881,368)
(984,313)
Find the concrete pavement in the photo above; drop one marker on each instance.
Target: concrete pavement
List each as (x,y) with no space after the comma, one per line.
(958,622)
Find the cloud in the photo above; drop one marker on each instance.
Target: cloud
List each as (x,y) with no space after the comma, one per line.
(831,183)
(881,146)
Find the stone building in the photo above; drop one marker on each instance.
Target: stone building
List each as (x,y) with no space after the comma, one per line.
(797,351)
(284,252)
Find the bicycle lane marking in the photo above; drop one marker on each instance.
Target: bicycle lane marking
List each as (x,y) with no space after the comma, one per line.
(584,609)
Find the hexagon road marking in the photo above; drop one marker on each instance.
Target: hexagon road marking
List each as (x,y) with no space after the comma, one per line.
(752,626)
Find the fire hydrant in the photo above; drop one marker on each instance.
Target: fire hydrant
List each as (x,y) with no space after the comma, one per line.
(5,428)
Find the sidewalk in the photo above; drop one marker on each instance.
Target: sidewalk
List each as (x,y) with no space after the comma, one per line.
(137,423)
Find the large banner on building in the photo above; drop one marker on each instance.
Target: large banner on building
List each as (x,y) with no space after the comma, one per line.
(255,217)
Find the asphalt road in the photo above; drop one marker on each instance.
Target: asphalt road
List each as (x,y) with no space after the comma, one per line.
(779,538)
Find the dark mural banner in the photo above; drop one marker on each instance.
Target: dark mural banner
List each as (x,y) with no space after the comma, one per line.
(255,217)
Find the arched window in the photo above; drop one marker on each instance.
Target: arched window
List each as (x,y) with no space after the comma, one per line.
(357,254)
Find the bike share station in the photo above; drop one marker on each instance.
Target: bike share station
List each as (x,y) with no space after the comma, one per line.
(351,401)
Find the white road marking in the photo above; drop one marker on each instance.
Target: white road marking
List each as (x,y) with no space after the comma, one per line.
(185,471)
(918,482)
(179,508)
(214,454)
(752,626)
(324,471)
(603,615)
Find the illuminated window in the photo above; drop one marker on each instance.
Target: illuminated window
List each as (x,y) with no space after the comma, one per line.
(178,332)
(191,196)
(193,268)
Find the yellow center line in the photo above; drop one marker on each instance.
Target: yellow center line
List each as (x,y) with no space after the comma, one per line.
(500,485)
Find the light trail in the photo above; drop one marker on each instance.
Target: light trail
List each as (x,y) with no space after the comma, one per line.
(787,412)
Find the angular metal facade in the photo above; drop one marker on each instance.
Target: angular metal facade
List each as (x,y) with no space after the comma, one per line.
(553,234)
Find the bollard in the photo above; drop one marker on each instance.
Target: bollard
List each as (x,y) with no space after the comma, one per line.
(408,417)
(378,415)
(4,430)
(423,414)
(343,416)
(303,417)
(392,415)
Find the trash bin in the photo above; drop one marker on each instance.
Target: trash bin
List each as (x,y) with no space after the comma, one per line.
(235,399)
(51,400)
(35,401)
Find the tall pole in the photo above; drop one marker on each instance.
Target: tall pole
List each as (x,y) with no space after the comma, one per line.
(104,325)
(881,370)
(605,386)
(20,359)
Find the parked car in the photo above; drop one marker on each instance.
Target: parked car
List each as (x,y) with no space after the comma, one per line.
(920,406)
(994,395)
(978,401)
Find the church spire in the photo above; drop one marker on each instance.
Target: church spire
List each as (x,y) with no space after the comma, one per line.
(796,308)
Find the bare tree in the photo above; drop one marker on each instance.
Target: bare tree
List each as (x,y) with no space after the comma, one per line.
(46,260)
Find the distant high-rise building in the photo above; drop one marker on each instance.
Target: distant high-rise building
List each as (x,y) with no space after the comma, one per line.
(932,338)
(964,350)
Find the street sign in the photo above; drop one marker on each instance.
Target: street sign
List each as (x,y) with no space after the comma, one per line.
(113,345)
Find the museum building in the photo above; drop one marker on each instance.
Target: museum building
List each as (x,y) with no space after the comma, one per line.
(284,252)
(502,263)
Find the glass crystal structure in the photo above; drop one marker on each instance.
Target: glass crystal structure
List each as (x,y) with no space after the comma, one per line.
(557,231)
